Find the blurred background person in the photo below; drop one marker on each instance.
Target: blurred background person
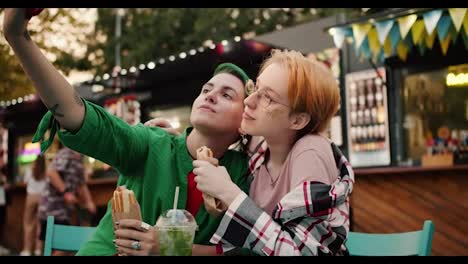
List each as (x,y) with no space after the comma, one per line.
(65,188)
(36,183)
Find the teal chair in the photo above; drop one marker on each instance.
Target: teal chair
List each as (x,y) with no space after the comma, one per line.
(65,237)
(416,243)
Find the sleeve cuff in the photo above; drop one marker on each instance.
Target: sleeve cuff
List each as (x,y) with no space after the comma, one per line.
(237,201)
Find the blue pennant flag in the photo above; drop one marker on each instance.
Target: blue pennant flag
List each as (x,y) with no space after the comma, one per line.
(394,36)
(443,27)
(409,41)
(381,56)
(365,48)
(430,20)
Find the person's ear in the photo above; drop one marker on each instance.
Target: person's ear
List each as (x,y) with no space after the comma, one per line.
(299,121)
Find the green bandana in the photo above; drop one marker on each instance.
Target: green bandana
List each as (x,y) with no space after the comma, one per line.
(48,121)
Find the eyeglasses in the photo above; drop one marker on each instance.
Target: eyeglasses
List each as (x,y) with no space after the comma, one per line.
(263,98)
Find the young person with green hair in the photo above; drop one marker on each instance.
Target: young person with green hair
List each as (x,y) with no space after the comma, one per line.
(150,161)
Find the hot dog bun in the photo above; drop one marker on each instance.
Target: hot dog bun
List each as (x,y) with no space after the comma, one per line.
(125,205)
(213,206)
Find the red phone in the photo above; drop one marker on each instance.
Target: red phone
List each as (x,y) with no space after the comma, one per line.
(30,12)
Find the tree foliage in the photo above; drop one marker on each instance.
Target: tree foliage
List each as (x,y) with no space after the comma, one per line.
(62,34)
(72,42)
(148,34)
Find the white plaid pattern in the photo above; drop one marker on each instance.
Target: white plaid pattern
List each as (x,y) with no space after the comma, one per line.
(312,219)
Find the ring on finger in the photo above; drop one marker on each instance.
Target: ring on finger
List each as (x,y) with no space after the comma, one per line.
(136,245)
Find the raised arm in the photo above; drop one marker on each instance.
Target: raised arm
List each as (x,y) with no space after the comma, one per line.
(54,90)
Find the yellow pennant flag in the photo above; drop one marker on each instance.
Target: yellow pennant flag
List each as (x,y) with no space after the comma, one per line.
(430,39)
(360,32)
(402,51)
(444,45)
(406,23)
(417,31)
(387,47)
(374,44)
(457,15)
(465,24)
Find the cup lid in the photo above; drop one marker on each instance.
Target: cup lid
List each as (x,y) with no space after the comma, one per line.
(176,217)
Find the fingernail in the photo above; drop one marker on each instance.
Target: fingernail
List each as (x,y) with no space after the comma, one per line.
(117,222)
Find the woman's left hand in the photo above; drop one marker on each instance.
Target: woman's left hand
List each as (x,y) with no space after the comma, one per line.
(215,181)
(136,238)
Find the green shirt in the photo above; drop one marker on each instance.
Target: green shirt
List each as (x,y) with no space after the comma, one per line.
(150,162)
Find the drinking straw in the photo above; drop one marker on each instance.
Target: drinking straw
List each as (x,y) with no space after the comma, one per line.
(176,198)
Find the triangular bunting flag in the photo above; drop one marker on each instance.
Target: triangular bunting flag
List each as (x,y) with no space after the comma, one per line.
(360,32)
(430,39)
(417,31)
(453,33)
(373,41)
(444,45)
(388,48)
(376,56)
(394,36)
(383,28)
(409,42)
(365,49)
(465,40)
(430,20)
(465,24)
(406,23)
(339,35)
(402,51)
(443,27)
(457,15)
(381,56)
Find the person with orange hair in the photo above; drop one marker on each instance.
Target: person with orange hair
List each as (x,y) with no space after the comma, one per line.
(298,202)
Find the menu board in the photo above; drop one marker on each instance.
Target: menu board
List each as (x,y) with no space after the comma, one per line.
(367,115)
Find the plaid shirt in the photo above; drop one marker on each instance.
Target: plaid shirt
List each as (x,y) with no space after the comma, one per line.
(312,219)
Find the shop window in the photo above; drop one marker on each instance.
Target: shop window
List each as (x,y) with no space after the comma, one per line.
(435,111)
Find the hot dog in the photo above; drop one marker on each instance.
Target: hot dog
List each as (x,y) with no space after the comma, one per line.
(213,206)
(124,205)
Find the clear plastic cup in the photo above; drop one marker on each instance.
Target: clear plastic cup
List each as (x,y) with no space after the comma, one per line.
(176,231)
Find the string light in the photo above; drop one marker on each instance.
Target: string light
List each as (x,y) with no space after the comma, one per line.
(151,65)
(18,100)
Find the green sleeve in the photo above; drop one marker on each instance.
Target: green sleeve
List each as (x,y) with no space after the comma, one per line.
(109,139)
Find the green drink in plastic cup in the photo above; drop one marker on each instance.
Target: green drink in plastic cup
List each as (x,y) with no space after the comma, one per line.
(176,231)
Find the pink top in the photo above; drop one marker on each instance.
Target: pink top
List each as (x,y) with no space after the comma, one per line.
(310,159)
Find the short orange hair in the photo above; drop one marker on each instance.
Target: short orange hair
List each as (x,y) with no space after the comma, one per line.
(312,88)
